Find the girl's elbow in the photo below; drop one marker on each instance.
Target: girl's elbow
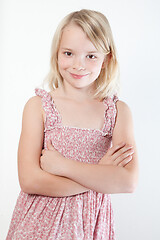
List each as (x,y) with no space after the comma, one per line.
(131,179)
(131,185)
(28,184)
(131,188)
(29,178)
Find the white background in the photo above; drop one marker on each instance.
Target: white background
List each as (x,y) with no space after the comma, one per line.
(26,31)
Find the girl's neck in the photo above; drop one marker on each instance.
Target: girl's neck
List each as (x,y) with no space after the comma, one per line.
(76,94)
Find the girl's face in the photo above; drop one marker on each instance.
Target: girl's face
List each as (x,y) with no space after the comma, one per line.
(79,61)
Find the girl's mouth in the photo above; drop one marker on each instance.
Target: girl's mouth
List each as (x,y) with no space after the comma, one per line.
(77,76)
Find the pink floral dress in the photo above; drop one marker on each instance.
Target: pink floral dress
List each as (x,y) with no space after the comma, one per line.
(84,216)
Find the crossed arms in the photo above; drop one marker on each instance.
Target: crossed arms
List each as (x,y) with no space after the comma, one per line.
(53,175)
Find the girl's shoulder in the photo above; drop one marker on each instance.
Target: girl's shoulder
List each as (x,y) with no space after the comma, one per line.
(124,121)
(123,107)
(34,107)
(34,102)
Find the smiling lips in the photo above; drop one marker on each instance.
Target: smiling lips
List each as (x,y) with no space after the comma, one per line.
(78,76)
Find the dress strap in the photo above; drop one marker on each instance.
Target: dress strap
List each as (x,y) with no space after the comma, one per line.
(110,115)
(51,117)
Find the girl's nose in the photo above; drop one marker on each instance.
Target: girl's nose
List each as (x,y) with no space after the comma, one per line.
(79,64)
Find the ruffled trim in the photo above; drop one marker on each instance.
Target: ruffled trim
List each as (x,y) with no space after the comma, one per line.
(51,117)
(110,115)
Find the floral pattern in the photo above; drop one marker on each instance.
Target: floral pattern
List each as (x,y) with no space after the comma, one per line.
(84,216)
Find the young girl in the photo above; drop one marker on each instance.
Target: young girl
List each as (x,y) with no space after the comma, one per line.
(77,144)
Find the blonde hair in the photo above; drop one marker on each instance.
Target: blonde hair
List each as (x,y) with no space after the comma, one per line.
(97,28)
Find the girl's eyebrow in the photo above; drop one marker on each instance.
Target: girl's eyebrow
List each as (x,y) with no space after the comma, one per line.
(69,49)
(93,52)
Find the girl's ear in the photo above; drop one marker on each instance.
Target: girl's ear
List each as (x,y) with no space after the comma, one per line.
(104,63)
(106,60)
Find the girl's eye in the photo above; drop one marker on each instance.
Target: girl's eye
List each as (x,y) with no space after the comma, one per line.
(68,54)
(91,56)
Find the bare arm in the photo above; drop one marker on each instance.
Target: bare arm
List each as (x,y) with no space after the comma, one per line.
(124,131)
(103,177)
(32,178)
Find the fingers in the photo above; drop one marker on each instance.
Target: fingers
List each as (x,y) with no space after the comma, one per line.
(125,157)
(125,161)
(43,151)
(120,150)
(49,145)
(120,154)
(116,148)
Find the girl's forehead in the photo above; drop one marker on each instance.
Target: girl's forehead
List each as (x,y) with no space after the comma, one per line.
(72,27)
(73,36)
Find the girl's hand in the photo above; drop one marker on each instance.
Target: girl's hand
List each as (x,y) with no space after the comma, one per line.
(119,155)
(52,161)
